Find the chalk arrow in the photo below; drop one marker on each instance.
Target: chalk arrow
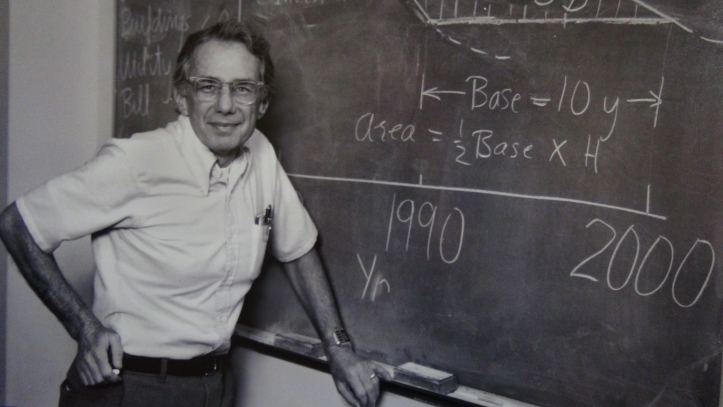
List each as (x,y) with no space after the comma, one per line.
(433,92)
(655,101)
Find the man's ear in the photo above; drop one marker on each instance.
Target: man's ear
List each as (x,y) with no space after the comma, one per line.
(261,108)
(181,101)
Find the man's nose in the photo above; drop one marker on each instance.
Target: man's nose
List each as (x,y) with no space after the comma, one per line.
(225,103)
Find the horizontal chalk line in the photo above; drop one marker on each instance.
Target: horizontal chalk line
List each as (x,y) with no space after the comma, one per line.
(481,191)
(505,21)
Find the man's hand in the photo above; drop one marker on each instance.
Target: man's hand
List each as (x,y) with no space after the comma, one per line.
(356,378)
(42,273)
(91,365)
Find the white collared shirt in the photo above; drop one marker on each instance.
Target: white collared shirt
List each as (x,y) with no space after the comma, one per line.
(177,240)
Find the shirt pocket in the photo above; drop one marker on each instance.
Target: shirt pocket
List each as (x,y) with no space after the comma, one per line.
(259,239)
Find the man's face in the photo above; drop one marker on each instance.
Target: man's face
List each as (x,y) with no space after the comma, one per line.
(222,125)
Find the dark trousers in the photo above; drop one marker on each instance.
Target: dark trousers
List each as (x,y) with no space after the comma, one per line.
(150,390)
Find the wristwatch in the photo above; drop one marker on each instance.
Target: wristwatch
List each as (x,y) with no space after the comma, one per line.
(341,338)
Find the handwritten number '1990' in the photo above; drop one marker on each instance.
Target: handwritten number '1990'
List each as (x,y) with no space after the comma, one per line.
(426,216)
(575,272)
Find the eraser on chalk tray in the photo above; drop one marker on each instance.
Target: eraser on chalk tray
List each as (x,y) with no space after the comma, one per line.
(426,378)
(300,344)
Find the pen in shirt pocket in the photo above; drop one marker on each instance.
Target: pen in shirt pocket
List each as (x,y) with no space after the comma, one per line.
(266,218)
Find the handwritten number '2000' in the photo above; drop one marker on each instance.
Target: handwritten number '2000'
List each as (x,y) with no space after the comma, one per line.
(631,232)
(404,213)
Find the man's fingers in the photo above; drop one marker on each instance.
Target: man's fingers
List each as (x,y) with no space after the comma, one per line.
(99,351)
(371,389)
(100,362)
(90,376)
(347,394)
(85,378)
(371,381)
(357,378)
(116,350)
(359,386)
(381,372)
(91,369)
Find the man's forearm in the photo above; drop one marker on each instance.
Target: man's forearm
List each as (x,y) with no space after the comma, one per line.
(42,273)
(91,365)
(312,286)
(356,378)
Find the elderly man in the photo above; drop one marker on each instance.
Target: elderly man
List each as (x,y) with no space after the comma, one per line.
(180,218)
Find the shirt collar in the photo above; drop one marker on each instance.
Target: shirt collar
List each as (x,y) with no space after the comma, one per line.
(201,160)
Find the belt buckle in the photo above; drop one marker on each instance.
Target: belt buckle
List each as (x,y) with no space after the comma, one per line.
(213,369)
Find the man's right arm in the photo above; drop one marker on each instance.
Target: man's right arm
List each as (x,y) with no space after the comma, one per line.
(91,365)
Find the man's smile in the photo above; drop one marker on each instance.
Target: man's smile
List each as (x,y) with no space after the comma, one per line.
(224,126)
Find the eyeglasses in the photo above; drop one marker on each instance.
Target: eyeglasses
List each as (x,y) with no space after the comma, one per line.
(243,92)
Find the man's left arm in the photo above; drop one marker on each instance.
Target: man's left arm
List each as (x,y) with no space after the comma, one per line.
(355,377)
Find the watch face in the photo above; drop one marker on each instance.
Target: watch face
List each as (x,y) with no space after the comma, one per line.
(341,337)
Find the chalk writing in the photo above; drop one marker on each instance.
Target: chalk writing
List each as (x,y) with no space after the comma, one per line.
(575,97)
(296,2)
(502,99)
(438,15)
(655,101)
(135,103)
(647,212)
(378,282)
(557,152)
(485,146)
(152,25)
(434,92)
(136,64)
(425,218)
(630,237)
(367,129)
(580,99)
(441,13)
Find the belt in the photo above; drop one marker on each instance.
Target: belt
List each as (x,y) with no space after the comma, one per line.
(205,365)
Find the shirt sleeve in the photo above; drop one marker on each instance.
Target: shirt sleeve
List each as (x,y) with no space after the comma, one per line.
(81,202)
(294,233)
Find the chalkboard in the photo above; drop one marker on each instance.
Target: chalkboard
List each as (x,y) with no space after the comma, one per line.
(523,193)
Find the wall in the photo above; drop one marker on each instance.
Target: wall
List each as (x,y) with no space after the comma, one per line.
(60,111)
(4,26)
(61,93)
